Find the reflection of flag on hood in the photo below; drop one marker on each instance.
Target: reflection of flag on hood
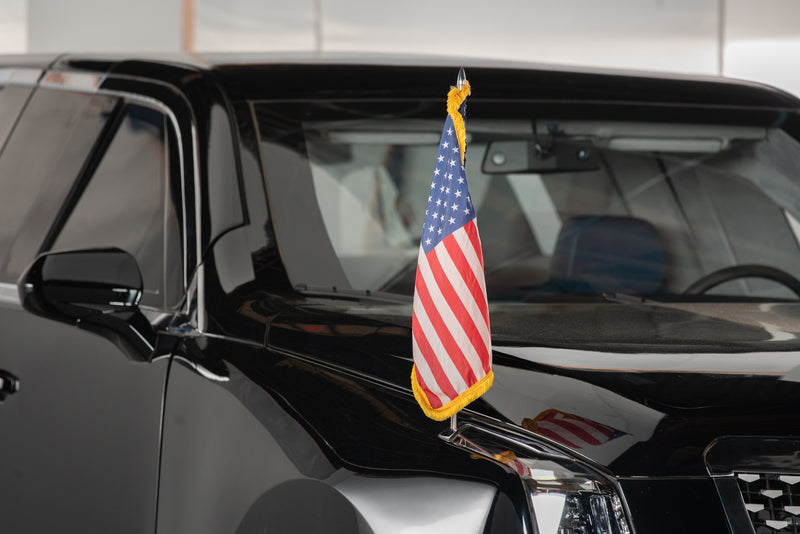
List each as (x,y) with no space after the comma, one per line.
(451,340)
(571,430)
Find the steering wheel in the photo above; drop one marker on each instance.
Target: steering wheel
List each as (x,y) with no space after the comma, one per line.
(712,280)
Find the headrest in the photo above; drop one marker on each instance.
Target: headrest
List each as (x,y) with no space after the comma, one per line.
(604,254)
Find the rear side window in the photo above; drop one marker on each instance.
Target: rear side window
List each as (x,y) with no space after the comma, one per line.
(38,166)
(125,203)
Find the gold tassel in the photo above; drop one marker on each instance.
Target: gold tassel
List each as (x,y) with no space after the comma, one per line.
(455,98)
(454,406)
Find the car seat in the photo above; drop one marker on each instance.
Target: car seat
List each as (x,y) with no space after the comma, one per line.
(605,254)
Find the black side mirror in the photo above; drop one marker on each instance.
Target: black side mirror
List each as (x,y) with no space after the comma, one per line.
(97,289)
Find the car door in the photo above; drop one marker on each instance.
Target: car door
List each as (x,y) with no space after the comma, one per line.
(80,417)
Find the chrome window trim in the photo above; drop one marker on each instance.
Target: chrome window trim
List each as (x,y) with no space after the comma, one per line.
(81,81)
(192,275)
(9,294)
(20,76)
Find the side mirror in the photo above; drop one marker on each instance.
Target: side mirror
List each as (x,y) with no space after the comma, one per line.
(98,290)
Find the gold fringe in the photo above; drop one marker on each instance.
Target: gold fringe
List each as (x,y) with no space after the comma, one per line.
(455,98)
(454,406)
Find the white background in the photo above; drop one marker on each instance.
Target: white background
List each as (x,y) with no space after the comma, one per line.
(758,40)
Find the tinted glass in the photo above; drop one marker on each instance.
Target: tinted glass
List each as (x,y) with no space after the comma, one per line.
(566,207)
(38,167)
(126,205)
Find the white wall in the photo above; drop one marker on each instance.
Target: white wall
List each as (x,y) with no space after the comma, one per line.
(13,26)
(762,42)
(665,35)
(103,25)
(739,38)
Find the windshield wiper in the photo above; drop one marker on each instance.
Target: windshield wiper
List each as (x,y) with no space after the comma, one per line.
(624,298)
(352,294)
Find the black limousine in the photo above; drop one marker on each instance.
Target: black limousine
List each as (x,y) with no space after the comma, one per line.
(206,279)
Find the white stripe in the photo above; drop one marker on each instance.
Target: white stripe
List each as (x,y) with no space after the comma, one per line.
(450,320)
(425,373)
(563,432)
(460,287)
(438,350)
(473,260)
(586,427)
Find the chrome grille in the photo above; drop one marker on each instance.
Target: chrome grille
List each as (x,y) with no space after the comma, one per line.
(772,501)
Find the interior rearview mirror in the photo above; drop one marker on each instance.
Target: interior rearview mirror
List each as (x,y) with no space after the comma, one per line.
(97,289)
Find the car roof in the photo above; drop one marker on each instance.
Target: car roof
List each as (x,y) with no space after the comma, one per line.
(348,75)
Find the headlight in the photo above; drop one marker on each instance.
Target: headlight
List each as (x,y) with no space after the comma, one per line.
(566,495)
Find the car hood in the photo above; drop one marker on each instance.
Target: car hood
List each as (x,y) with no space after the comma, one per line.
(641,388)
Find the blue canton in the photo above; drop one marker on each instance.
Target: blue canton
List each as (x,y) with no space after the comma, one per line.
(449,203)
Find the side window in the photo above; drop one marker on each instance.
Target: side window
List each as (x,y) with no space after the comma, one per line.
(39,163)
(126,204)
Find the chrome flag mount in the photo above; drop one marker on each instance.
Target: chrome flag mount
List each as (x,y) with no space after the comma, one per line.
(451,335)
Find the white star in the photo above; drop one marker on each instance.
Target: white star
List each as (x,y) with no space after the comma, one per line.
(445,144)
(452,220)
(466,211)
(441,159)
(454,207)
(428,241)
(433,185)
(441,217)
(426,211)
(458,194)
(436,172)
(461,179)
(447,190)
(441,188)
(439,231)
(438,201)
(452,162)
(450,176)
(429,197)
(455,150)
(430,228)
(435,215)
(449,131)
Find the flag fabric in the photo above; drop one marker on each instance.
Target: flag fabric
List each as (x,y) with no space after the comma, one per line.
(450,324)
(571,430)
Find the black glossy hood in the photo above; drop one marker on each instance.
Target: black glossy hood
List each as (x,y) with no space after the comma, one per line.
(641,388)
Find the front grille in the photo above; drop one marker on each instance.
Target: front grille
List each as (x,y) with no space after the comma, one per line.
(772,501)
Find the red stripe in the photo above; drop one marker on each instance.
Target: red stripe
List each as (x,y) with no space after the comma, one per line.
(453,351)
(471,228)
(465,268)
(599,427)
(459,310)
(556,437)
(433,399)
(433,363)
(603,429)
(576,430)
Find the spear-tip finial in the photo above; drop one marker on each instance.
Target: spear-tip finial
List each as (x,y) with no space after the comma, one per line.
(462,78)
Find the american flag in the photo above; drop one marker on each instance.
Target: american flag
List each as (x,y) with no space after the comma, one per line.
(571,430)
(451,339)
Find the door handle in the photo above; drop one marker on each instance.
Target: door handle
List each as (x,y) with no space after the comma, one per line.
(8,384)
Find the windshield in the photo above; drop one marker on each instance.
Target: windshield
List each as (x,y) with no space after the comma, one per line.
(567,208)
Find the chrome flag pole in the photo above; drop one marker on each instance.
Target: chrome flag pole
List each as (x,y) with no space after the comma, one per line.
(460,81)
